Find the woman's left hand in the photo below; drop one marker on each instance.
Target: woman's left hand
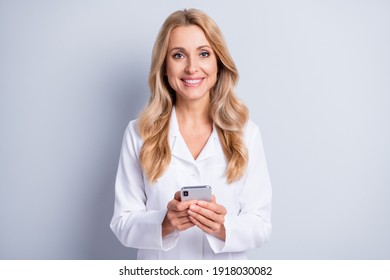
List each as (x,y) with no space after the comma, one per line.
(209,217)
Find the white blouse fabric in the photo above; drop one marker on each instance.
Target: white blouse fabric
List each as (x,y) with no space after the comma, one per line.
(140,206)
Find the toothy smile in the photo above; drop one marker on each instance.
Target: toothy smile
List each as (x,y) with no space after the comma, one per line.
(197,81)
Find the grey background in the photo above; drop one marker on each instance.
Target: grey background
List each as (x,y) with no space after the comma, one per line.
(315,75)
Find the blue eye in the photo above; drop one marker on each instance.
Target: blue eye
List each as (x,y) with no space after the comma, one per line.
(178,55)
(204,54)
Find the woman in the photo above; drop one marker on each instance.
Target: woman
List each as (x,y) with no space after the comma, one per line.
(193,131)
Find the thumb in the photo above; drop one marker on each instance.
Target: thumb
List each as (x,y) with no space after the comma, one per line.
(177,196)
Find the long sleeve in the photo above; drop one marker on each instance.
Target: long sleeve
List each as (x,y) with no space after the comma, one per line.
(141,206)
(251,228)
(133,224)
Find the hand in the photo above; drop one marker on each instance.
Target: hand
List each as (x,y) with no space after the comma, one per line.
(177,215)
(209,217)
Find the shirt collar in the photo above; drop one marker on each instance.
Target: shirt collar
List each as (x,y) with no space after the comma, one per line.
(179,147)
(173,124)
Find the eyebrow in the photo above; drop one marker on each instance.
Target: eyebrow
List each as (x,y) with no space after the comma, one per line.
(181,49)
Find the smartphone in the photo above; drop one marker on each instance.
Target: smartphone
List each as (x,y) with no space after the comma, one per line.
(196,193)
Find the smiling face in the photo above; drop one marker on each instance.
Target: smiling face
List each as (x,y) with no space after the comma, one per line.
(191,64)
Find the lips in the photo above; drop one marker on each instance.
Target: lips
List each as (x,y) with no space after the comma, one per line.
(192,82)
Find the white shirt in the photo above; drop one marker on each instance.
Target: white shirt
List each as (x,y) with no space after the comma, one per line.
(140,206)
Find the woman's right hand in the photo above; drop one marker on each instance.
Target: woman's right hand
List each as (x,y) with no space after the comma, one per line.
(177,215)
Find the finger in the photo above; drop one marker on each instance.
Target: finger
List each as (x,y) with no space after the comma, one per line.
(206,213)
(174,208)
(212,206)
(177,196)
(178,214)
(201,226)
(213,223)
(181,223)
(177,221)
(185,226)
(175,205)
(182,206)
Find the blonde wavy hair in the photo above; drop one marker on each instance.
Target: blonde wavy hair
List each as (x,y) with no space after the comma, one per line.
(227,112)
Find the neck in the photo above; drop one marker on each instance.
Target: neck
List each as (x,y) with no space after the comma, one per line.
(193,113)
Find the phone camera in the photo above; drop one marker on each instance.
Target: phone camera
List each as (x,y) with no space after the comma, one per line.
(185,193)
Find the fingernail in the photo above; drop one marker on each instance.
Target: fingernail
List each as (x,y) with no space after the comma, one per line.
(193,207)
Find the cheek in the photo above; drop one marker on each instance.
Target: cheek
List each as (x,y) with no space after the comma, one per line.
(211,69)
(168,70)
(172,82)
(172,73)
(212,72)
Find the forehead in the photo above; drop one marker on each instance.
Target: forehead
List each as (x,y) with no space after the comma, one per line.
(188,37)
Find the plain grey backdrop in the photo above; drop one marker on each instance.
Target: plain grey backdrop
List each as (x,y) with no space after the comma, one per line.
(315,75)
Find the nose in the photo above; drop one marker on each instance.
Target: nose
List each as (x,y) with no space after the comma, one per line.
(192,65)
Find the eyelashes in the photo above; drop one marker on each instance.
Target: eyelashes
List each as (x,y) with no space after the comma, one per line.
(178,56)
(202,54)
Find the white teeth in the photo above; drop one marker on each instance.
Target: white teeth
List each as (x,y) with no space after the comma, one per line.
(192,81)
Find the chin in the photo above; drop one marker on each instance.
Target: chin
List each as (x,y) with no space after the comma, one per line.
(194,95)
